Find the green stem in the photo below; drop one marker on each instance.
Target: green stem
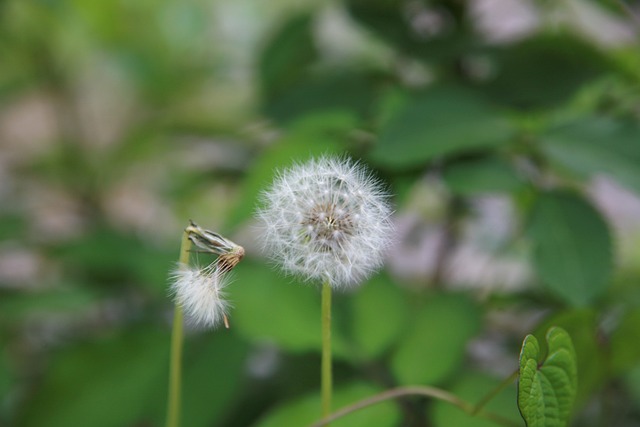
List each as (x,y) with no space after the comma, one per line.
(493,393)
(420,391)
(175,367)
(326,375)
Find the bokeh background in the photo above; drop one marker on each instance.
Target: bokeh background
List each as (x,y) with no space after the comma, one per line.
(507,131)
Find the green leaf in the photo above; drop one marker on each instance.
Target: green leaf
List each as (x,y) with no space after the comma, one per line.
(112,260)
(314,136)
(103,384)
(214,366)
(632,382)
(439,122)
(5,376)
(572,247)
(522,70)
(597,145)
(306,410)
(6,383)
(434,346)
(378,315)
(16,306)
(213,371)
(473,388)
(287,56)
(273,308)
(481,175)
(625,352)
(12,226)
(388,20)
(346,91)
(547,389)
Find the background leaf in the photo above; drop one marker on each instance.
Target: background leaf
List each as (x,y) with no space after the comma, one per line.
(214,367)
(289,309)
(306,410)
(389,20)
(490,174)
(345,91)
(472,388)
(434,345)
(287,55)
(18,306)
(522,70)
(6,382)
(109,383)
(572,247)
(378,315)
(597,145)
(439,122)
(625,355)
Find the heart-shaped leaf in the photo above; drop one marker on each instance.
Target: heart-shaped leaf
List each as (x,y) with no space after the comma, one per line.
(547,390)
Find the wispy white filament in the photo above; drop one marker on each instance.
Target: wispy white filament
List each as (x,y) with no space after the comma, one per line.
(327,219)
(200,294)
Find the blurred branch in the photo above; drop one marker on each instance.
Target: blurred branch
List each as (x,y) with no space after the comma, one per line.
(420,391)
(493,393)
(629,11)
(413,412)
(448,240)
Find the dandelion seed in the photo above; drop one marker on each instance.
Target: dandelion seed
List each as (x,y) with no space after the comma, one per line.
(200,292)
(326,220)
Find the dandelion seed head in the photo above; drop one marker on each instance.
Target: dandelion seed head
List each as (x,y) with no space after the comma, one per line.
(200,293)
(327,219)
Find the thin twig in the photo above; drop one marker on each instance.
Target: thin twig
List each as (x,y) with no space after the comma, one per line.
(420,391)
(629,11)
(493,393)
(448,242)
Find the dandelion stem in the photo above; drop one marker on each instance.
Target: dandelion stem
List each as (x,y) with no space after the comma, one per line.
(326,375)
(175,367)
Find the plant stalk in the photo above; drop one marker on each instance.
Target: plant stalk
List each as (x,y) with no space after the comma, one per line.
(432,392)
(175,366)
(326,374)
(493,393)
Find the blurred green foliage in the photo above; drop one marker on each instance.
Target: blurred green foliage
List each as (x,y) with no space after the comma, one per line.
(119,121)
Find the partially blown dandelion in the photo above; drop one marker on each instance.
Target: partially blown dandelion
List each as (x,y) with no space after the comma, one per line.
(326,220)
(200,293)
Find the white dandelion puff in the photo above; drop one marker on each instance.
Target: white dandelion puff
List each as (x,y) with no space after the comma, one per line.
(200,293)
(326,220)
